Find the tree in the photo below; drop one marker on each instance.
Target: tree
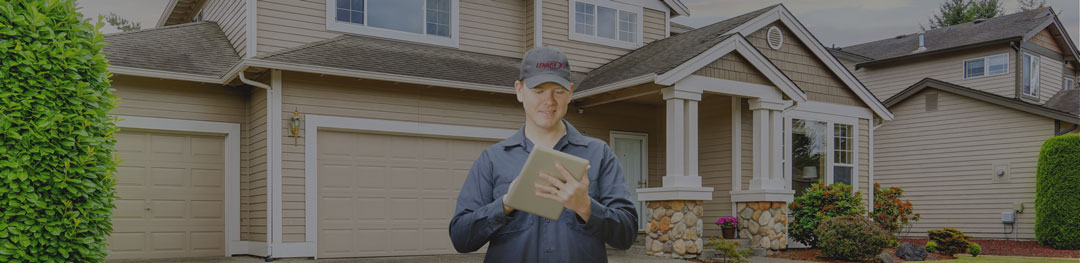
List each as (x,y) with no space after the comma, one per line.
(955,12)
(1028,5)
(119,22)
(57,170)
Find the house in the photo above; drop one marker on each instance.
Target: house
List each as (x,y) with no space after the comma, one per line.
(334,128)
(973,103)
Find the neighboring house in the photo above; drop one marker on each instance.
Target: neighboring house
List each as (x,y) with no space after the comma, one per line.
(973,103)
(346,128)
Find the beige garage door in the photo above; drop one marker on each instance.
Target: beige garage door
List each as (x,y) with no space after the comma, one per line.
(170,196)
(389,195)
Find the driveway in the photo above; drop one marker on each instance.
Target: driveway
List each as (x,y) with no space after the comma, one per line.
(613,256)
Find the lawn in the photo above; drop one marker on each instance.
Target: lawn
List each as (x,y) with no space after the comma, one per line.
(965,258)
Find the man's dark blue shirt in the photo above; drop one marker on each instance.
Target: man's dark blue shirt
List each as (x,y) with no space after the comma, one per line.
(524,237)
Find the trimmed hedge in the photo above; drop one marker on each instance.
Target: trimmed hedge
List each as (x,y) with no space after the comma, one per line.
(1057,188)
(56,138)
(851,238)
(950,241)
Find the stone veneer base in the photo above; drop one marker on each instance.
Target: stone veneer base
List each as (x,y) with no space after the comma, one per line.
(765,223)
(674,228)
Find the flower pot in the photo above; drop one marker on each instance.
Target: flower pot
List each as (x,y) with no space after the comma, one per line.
(729,232)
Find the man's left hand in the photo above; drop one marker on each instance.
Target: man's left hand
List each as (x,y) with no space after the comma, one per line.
(572,194)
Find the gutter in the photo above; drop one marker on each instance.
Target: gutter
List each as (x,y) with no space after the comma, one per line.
(269,160)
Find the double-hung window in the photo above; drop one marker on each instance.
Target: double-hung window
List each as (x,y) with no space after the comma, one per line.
(425,21)
(820,151)
(606,22)
(1031,75)
(986,66)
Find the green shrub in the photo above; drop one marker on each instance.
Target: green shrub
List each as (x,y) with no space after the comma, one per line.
(851,238)
(728,250)
(950,241)
(974,249)
(56,138)
(1057,184)
(931,247)
(818,203)
(891,213)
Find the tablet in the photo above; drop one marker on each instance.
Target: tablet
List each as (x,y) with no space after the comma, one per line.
(522,195)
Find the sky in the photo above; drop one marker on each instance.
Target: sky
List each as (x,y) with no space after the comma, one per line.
(839,22)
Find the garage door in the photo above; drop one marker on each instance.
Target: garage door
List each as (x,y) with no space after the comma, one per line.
(389,195)
(170,196)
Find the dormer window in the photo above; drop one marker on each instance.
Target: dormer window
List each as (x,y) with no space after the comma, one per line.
(1031,76)
(606,23)
(986,66)
(424,21)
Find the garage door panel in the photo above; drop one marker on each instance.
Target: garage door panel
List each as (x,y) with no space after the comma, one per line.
(403,197)
(181,178)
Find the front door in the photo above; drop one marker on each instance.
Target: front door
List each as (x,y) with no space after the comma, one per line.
(632,151)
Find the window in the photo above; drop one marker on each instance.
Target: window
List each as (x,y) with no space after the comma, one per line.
(821,151)
(606,23)
(426,21)
(1031,75)
(807,154)
(843,153)
(1070,82)
(986,66)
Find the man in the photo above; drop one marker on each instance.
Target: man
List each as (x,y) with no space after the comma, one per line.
(598,206)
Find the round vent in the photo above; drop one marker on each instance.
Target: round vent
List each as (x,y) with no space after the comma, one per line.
(776,38)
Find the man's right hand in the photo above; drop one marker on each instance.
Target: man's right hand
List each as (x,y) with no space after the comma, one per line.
(506,209)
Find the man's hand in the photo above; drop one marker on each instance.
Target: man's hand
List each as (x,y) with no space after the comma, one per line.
(572,194)
(506,209)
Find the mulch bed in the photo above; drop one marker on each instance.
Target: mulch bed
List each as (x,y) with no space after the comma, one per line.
(1013,248)
(989,247)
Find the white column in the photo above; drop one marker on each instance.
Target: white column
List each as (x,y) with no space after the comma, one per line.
(691,135)
(768,122)
(776,141)
(760,147)
(682,138)
(676,128)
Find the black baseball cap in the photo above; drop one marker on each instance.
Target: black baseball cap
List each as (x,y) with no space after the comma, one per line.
(545,64)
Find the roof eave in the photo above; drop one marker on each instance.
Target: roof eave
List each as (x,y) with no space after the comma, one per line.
(976,94)
(936,52)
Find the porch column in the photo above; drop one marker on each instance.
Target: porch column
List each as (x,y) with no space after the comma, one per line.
(762,210)
(674,212)
(768,145)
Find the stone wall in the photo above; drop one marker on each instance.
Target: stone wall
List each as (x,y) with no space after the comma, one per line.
(674,228)
(765,223)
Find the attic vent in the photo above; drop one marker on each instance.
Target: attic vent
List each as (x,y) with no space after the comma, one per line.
(776,38)
(931,101)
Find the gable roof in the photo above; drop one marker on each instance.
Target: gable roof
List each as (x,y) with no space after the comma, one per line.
(1065,100)
(930,83)
(199,49)
(663,55)
(1001,29)
(677,28)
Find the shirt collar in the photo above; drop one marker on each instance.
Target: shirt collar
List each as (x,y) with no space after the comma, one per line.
(573,136)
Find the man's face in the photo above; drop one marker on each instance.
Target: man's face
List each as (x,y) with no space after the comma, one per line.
(545,105)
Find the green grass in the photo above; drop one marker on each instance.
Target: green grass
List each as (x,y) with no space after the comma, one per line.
(965,258)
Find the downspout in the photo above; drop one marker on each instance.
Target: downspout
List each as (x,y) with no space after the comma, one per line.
(872,129)
(269,163)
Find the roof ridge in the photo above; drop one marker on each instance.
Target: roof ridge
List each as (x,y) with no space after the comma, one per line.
(162,28)
(939,29)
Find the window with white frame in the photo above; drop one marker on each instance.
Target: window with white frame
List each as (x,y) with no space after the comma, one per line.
(1070,82)
(1031,75)
(426,21)
(606,23)
(821,152)
(986,66)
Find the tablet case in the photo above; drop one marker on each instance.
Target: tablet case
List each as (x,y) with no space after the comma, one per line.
(522,195)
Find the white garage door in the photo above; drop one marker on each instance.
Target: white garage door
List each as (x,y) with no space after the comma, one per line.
(389,195)
(170,196)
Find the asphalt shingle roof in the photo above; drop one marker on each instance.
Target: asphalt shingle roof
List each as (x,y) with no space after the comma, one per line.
(1065,100)
(195,48)
(663,55)
(997,28)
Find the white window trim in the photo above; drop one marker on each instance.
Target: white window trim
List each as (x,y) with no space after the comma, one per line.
(1036,60)
(604,41)
(233,244)
(829,121)
(344,27)
(1065,83)
(986,66)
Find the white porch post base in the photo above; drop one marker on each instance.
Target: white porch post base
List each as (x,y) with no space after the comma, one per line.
(692,181)
(767,183)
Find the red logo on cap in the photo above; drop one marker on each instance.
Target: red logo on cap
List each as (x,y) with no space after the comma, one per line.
(549,65)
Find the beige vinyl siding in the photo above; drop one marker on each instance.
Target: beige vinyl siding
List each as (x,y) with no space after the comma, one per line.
(348,97)
(864,186)
(887,80)
(747,145)
(529,25)
(1046,40)
(734,66)
(714,157)
(804,68)
(492,27)
(231,16)
(255,197)
(654,28)
(585,56)
(657,148)
(150,97)
(943,160)
(1051,78)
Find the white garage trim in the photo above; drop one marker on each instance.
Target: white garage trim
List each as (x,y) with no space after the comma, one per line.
(233,245)
(314,123)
